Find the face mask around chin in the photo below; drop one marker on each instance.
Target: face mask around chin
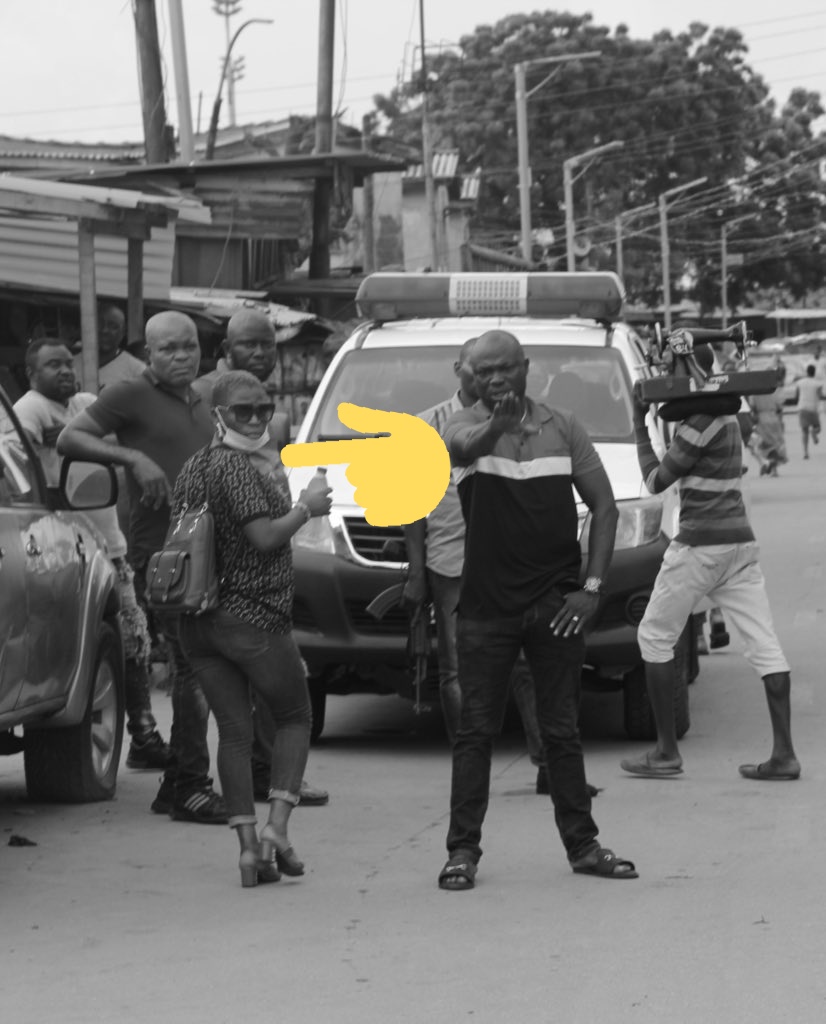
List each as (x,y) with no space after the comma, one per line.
(232,439)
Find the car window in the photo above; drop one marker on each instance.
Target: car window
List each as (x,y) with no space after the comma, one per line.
(18,478)
(593,383)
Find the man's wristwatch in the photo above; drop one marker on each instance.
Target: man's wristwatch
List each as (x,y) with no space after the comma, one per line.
(592,585)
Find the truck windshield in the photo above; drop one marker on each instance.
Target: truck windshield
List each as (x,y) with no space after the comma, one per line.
(590,382)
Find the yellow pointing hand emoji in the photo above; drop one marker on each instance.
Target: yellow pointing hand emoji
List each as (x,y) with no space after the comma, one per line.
(399,478)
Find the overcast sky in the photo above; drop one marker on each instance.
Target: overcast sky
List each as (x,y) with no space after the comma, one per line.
(69,69)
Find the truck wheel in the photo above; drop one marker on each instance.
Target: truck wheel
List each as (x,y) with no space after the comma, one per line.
(639,719)
(79,764)
(318,701)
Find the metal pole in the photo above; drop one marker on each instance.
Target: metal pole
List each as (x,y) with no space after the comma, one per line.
(151,82)
(666,256)
(323,189)
(427,155)
(88,305)
(368,236)
(723,278)
(618,231)
(176,32)
(524,166)
(216,106)
(568,188)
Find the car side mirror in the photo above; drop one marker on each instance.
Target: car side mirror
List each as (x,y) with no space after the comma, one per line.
(87,485)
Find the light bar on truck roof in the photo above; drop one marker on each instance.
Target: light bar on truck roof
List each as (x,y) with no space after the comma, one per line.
(591,296)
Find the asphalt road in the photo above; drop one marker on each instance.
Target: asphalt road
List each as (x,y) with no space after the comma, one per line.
(118,915)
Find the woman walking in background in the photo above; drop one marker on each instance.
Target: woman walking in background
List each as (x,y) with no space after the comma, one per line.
(247,641)
(770,443)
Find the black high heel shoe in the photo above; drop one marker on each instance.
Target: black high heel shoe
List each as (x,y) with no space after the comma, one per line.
(284,859)
(256,868)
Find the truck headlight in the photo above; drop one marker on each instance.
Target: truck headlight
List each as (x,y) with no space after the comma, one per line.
(640,522)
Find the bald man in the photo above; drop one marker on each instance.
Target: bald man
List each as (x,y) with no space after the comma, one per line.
(158,422)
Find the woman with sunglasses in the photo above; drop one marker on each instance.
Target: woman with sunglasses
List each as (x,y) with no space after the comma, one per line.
(247,641)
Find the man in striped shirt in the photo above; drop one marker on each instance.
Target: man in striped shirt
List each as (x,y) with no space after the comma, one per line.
(713,555)
(516,464)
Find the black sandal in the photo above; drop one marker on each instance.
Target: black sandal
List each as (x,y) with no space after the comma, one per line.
(605,864)
(459,873)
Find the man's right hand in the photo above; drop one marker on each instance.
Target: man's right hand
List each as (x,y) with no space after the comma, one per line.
(155,489)
(415,590)
(507,413)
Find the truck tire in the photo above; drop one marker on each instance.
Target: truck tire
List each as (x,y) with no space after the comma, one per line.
(318,702)
(79,764)
(639,719)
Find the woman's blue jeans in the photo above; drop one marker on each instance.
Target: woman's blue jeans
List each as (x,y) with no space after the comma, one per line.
(488,650)
(227,657)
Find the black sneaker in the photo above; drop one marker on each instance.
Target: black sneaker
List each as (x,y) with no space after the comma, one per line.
(203,807)
(162,804)
(147,754)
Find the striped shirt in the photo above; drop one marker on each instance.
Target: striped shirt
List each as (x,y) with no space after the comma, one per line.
(706,458)
(520,510)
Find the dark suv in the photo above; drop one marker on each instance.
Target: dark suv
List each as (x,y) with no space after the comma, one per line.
(401,360)
(61,658)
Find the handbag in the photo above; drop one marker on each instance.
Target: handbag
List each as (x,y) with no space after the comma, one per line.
(182,578)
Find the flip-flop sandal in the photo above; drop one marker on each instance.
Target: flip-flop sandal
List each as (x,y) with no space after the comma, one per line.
(604,864)
(766,773)
(652,769)
(458,874)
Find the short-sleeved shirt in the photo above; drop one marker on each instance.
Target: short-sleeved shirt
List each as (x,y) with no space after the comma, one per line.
(520,510)
(145,415)
(258,586)
(36,413)
(809,394)
(123,367)
(445,545)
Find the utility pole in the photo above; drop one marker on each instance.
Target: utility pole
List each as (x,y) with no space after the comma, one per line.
(226,9)
(178,37)
(724,230)
(618,221)
(521,98)
(427,155)
(568,189)
(156,138)
(664,245)
(368,235)
(322,194)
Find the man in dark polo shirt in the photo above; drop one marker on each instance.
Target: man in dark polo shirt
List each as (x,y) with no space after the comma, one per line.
(159,422)
(515,465)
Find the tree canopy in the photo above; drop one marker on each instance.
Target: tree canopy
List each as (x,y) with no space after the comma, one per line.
(685,106)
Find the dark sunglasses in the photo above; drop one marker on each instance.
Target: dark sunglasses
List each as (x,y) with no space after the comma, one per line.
(244,411)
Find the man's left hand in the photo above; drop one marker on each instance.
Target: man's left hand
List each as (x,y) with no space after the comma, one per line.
(571,618)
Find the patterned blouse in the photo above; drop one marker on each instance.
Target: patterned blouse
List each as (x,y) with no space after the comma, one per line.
(259,585)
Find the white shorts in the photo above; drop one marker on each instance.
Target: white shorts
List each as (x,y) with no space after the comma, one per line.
(730,575)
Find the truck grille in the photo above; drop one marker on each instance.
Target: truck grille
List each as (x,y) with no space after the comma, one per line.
(376,543)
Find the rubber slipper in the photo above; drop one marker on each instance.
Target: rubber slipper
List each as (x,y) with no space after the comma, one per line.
(766,773)
(652,769)
(604,864)
(458,874)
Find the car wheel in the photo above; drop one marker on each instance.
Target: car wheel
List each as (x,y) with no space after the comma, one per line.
(318,701)
(79,764)
(639,719)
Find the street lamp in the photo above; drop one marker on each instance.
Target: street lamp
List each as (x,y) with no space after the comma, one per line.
(665,253)
(724,230)
(216,106)
(626,215)
(568,185)
(522,137)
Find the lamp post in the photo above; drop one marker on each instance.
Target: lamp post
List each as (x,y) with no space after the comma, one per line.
(216,106)
(568,167)
(522,96)
(724,230)
(618,220)
(664,249)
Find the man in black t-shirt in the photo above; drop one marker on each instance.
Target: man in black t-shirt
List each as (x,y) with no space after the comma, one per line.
(515,463)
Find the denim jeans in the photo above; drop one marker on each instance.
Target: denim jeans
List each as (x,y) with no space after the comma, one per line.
(187,767)
(444,591)
(487,652)
(228,656)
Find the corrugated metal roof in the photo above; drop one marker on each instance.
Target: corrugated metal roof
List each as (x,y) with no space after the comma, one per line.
(43,254)
(107,198)
(445,165)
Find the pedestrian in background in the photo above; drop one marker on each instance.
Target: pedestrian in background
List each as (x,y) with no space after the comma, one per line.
(809,396)
(714,555)
(158,421)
